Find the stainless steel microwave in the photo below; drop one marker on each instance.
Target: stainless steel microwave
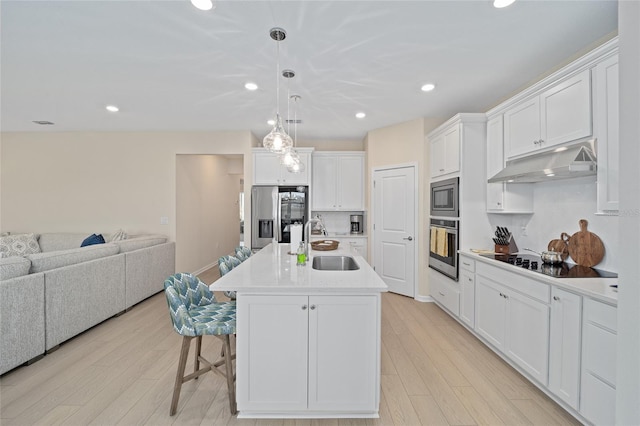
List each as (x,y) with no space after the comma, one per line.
(444,198)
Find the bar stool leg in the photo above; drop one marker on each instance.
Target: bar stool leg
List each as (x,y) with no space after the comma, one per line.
(229,373)
(182,363)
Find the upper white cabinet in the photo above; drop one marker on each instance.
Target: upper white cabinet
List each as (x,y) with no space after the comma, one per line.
(503,197)
(560,114)
(338,181)
(267,169)
(445,152)
(606,130)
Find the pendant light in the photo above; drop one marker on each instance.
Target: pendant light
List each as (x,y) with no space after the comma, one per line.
(289,154)
(277,140)
(296,166)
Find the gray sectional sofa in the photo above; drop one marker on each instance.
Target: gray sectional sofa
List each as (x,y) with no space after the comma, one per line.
(47,298)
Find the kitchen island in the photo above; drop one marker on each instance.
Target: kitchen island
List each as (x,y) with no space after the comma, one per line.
(308,341)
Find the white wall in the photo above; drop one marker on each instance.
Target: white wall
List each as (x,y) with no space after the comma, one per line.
(628,367)
(206,211)
(558,207)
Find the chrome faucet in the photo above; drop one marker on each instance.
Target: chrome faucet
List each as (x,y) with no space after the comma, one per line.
(306,232)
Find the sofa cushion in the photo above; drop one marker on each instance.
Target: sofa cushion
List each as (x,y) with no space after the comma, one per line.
(19,245)
(55,241)
(15,266)
(137,243)
(92,239)
(57,259)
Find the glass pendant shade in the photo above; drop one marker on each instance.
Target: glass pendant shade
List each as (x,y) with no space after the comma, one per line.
(289,156)
(277,140)
(296,167)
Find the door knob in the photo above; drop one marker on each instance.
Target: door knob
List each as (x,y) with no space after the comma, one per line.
(408,238)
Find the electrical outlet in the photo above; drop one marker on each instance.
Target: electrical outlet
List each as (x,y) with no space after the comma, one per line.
(164,220)
(524,231)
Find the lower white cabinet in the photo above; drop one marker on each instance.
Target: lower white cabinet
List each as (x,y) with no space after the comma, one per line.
(599,340)
(564,345)
(445,291)
(301,354)
(515,324)
(467,291)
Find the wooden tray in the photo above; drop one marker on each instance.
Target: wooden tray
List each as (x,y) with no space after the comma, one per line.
(324,245)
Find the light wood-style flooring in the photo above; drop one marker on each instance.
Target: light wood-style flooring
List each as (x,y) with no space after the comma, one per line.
(121,372)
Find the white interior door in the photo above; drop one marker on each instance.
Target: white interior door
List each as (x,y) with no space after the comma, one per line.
(394,236)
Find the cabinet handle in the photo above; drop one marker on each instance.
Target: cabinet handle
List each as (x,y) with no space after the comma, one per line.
(304,307)
(442,170)
(556,298)
(466,264)
(505,296)
(499,204)
(470,280)
(441,293)
(312,307)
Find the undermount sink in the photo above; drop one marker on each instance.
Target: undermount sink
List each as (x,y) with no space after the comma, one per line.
(334,263)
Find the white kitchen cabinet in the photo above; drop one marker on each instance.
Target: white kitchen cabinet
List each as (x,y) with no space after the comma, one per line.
(467,291)
(338,181)
(503,197)
(559,114)
(564,345)
(607,133)
(445,152)
(445,291)
(267,169)
(302,354)
(599,340)
(516,324)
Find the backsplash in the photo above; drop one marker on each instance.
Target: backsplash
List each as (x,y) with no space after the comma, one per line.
(337,222)
(558,207)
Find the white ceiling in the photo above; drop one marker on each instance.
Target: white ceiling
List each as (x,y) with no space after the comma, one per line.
(171,67)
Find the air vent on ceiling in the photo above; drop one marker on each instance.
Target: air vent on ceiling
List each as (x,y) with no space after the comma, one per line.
(298,121)
(43,122)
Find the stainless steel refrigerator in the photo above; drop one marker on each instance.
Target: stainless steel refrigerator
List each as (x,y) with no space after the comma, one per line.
(273,210)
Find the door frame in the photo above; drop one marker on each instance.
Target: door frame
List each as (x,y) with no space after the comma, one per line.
(416,218)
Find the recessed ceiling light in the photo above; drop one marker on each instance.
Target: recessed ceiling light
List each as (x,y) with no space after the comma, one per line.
(251,86)
(428,87)
(43,122)
(112,108)
(360,115)
(562,148)
(271,122)
(499,4)
(202,4)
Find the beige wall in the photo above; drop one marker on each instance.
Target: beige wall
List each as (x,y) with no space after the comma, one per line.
(333,145)
(404,144)
(99,182)
(206,211)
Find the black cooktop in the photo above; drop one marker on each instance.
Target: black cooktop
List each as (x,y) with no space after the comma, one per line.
(564,270)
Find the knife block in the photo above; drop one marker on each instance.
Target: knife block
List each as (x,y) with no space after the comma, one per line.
(507,249)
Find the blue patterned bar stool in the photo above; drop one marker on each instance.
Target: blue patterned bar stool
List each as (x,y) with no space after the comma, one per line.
(195,312)
(243,252)
(225,266)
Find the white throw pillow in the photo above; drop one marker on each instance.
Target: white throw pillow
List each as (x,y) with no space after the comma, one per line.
(119,235)
(19,245)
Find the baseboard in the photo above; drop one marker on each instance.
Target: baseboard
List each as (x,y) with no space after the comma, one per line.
(206,268)
(427,299)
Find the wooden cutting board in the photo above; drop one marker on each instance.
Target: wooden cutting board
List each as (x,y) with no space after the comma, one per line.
(560,245)
(586,248)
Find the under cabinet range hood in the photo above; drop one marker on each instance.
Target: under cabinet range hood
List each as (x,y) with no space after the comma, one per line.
(561,163)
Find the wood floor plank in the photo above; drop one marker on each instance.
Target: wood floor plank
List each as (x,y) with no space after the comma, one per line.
(122,372)
(398,402)
(428,410)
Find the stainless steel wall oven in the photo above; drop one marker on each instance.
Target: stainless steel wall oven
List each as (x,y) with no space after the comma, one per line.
(444,245)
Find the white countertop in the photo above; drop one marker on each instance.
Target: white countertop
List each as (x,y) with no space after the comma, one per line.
(596,288)
(273,270)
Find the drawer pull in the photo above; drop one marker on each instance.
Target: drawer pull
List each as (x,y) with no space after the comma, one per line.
(312,307)
(556,298)
(304,307)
